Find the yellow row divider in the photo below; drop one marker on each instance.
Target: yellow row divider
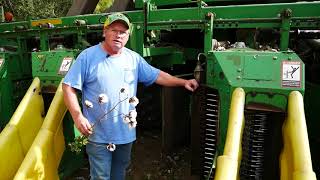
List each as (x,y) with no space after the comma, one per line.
(295,158)
(18,135)
(43,158)
(228,164)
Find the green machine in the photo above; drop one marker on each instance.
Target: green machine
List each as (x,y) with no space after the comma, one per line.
(15,79)
(266,49)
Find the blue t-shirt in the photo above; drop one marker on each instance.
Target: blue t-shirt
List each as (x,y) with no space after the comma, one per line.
(95,73)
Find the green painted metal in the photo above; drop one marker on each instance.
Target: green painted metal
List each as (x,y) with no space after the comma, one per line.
(140,3)
(225,17)
(15,74)
(51,66)
(260,73)
(285,29)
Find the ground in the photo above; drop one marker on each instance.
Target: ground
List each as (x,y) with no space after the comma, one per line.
(149,163)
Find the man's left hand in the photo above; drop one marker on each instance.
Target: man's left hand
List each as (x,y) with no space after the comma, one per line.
(191,85)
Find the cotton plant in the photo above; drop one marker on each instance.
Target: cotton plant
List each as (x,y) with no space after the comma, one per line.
(111,147)
(129,119)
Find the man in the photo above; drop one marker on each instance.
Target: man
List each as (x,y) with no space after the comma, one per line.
(109,68)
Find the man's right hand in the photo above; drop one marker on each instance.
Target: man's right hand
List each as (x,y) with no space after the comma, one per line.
(83,125)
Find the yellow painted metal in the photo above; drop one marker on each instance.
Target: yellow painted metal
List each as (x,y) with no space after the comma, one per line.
(44,155)
(46,21)
(18,135)
(295,158)
(229,163)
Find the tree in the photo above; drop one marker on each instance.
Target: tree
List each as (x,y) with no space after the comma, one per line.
(37,9)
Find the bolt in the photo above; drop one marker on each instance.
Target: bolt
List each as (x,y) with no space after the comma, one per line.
(138,27)
(275,57)
(239,70)
(238,77)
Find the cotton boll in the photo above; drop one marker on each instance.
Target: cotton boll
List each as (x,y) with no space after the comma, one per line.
(111,147)
(126,119)
(133,120)
(134,101)
(123,93)
(133,114)
(103,98)
(132,124)
(88,104)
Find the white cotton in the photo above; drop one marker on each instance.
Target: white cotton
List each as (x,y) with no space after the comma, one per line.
(111,147)
(134,101)
(132,124)
(133,119)
(126,119)
(133,114)
(103,98)
(88,104)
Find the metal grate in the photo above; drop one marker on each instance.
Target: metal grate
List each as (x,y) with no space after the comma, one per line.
(253,144)
(208,130)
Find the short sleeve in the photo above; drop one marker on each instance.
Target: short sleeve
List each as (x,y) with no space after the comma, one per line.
(147,74)
(76,74)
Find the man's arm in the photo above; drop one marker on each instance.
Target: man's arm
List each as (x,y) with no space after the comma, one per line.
(72,103)
(166,79)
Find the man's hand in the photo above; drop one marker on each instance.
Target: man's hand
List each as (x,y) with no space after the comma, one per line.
(191,84)
(83,125)
(71,101)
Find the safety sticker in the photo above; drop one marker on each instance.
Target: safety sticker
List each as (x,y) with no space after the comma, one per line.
(1,62)
(291,74)
(65,65)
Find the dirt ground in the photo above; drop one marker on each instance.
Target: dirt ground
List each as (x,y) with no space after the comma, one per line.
(149,163)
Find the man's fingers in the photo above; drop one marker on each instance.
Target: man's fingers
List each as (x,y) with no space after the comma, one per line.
(189,88)
(192,85)
(88,128)
(85,129)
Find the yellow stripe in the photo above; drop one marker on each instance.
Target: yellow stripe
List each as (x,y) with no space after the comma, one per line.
(44,21)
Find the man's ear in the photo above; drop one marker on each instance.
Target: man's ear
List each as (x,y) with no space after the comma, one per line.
(103,32)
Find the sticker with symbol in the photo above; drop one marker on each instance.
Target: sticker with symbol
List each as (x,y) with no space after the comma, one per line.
(1,62)
(291,74)
(65,65)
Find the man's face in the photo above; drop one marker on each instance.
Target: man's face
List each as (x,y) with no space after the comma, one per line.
(116,35)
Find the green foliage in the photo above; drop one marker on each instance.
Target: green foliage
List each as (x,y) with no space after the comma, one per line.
(102,6)
(37,9)
(78,143)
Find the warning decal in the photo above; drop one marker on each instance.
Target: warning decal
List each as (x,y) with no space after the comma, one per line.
(291,74)
(65,65)
(1,62)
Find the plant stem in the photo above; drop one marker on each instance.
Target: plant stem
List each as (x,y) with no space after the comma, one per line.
(99,120)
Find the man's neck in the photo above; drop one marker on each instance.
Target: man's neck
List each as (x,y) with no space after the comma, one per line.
(109,50)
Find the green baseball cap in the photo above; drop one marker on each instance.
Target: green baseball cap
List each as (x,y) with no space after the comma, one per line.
(117,17)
